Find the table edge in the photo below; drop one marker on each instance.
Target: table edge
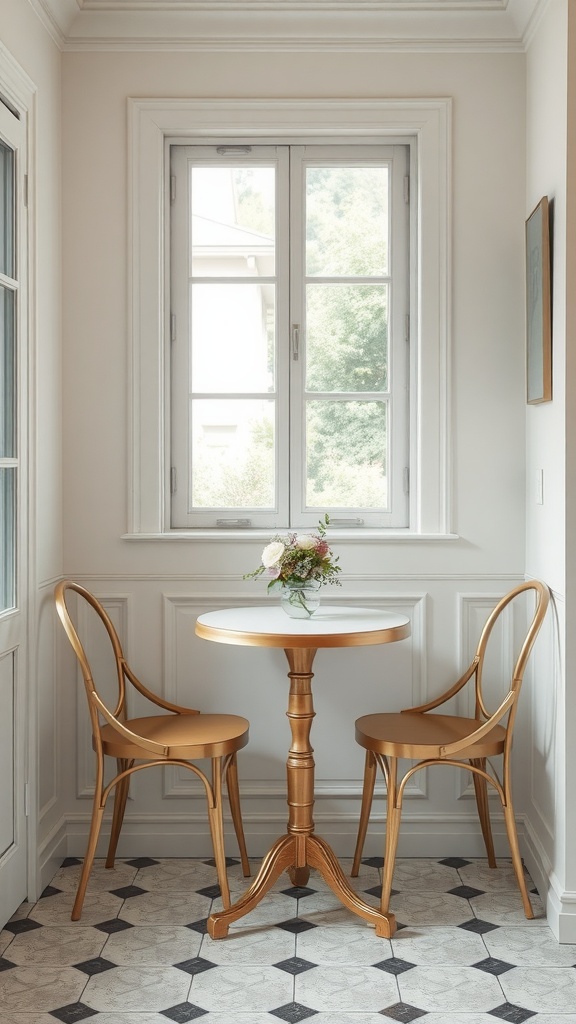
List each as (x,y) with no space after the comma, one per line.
(388,634)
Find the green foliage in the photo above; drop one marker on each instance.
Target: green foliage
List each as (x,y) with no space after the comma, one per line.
(253,211)
(222,480)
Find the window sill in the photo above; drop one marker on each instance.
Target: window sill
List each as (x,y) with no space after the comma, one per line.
(250,536)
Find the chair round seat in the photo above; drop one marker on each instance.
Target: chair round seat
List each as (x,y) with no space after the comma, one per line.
(418,735)
(187,736)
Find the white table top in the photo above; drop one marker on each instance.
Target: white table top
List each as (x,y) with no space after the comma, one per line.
(269,626)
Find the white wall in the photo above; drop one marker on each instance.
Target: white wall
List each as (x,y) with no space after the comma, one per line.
(157,588)
(551,820)
(27,42)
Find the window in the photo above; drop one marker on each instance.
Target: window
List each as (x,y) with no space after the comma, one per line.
(289,363)
(303,128)
(8,459)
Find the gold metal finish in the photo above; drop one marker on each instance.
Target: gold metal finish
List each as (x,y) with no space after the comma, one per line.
(448,739)
(303,640)
(300,849)
(178,736)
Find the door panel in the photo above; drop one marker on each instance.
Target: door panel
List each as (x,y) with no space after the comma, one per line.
(6,754)
(13,521)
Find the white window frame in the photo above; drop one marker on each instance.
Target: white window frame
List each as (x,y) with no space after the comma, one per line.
(290,161)
(151,122)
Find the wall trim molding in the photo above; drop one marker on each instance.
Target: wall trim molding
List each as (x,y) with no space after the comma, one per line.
(291,25)
(173,835)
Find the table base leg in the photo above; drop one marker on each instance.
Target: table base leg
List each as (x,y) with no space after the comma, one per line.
(299,876)
(282,857)
(321,856)
(278,859)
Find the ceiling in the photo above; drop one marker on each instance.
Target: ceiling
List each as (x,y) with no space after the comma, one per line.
(298,25)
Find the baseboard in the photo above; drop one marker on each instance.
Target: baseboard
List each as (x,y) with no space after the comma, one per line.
(180,836)
(51,852)
(560,903)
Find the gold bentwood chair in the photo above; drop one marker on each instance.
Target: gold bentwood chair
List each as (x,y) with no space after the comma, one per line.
(450,739)
(179,736)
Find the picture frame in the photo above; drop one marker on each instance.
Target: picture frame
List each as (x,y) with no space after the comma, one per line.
(538,306)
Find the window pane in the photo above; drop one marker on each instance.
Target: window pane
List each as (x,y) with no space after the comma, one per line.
(346,462)
(232,333)
(346,337)
(233,462)
(6,211)
(7,538)
(7,375)
(347,221)
(233,217)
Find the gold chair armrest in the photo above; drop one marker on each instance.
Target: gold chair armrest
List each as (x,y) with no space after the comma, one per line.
(444,697)
(453,748)
(150,745)
(153,697)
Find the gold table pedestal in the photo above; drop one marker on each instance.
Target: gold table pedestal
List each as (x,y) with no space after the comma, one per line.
(299,850)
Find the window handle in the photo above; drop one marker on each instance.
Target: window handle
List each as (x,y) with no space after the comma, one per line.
(345,522)
(295,341)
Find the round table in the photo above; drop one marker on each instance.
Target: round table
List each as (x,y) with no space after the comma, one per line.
(300,849)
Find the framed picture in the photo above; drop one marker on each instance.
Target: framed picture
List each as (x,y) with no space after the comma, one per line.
(538,306)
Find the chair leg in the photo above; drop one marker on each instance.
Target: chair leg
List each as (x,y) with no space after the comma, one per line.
(516,858)
(393,815)
(120,798)
(217,830)
(234,799)
(95,825)
(367,796)
(481,791)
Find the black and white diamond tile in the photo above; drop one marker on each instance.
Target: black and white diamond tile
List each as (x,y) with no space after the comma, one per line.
(144,944)
(257,988)
(295,965)
(293,1012)
(464,953)
(137,989)
(552,989)
(349,988)
(261,946)
(450,988)
(403,1012)
(184,1013)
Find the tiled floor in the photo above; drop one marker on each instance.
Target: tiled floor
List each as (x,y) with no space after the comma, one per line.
(463,953)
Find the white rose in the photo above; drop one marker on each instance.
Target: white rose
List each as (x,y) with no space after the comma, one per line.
(305,541)
(272,553)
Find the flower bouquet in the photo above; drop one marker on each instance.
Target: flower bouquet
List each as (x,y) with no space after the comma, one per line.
(299,564)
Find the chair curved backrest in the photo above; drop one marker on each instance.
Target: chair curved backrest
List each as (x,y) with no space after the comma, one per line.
(98,706)
(61,593)
(542,598)
(508,706)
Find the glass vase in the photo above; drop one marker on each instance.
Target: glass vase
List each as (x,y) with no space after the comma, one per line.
(300,600)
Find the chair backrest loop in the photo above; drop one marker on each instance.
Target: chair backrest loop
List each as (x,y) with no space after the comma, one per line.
(61,592)
(542,596)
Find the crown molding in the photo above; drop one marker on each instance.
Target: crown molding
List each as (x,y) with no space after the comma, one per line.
(57,16)
(290,25)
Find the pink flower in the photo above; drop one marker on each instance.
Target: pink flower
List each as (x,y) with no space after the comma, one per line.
(322,548)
